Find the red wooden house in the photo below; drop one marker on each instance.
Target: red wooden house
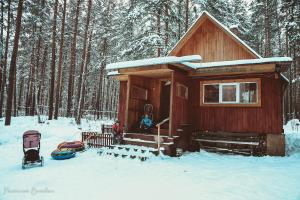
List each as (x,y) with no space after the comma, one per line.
(211,84)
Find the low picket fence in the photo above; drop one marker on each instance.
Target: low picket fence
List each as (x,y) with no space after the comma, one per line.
(96,139)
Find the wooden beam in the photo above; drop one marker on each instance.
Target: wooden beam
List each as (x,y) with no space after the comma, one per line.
(127,102)
(122,77)
(142,68)
(230,70)
(171,105)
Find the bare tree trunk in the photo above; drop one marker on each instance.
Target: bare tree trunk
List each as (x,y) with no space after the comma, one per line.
(73,64)
(100,83)
(40,95)
(13,63)
(267,29)
(21,86)
(15,95)
(80,104)
(52,82)
(186,15)
(178,18)
(158,31)
(167,27)
(1,48)
(84,50)
(3,82)
(60,61)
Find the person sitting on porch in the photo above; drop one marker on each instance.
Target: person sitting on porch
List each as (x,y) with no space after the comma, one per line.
(146,124)
(117,132)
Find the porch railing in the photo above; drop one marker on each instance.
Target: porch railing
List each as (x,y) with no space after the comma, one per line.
(158,133)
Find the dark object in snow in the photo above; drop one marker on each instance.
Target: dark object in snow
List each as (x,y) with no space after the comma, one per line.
(62,155)
(142,158)
(116,154)
(155,152)
(31,149)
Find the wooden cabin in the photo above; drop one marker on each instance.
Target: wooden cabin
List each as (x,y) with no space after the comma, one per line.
(211,88)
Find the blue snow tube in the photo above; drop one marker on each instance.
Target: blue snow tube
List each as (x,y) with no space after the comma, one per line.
(62,155)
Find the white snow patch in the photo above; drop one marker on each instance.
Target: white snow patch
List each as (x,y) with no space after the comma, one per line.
(113,73)
(292,136)
(237,62)
(90,176)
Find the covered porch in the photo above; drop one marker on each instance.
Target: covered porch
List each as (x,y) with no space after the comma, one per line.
(161,92)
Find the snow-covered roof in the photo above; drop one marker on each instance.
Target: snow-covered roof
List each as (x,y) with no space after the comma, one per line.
(113,73)
(154,61)
(222,26)
(238,62)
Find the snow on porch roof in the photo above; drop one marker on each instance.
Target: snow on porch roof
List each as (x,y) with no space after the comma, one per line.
(238,62)
(154,61)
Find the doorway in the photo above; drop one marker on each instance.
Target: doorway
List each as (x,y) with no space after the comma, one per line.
(165,99)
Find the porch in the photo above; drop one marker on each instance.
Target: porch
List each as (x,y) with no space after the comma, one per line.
(160,92)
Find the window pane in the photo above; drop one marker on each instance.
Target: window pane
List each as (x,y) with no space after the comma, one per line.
(211,93)
(229,93)
(248,92)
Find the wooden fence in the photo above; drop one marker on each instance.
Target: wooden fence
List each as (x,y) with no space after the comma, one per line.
(96,139)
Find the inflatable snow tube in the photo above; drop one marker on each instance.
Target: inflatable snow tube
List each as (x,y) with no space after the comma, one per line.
(75,146)
(62,155)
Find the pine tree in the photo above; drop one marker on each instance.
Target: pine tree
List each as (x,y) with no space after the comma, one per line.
(60,62)
(4,65)
(73,62)
(13,63)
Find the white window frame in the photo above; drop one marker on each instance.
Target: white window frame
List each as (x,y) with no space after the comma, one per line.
(237,84)
(237,92)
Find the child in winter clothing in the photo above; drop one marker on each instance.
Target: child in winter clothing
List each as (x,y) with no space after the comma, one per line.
(117,132)
(146,124)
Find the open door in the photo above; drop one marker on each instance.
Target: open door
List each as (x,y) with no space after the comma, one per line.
(165,100)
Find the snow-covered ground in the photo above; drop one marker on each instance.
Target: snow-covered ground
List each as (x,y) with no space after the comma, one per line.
(90,176)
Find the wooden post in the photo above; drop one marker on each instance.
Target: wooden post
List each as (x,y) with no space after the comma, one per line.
(158,140)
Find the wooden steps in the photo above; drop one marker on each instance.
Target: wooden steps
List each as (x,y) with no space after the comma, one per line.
(131,152)
(231,143)
(150,140)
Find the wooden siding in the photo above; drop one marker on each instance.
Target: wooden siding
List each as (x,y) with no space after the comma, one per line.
(136,106)
(179,105)
(122,102)
(264,119)
(213,44)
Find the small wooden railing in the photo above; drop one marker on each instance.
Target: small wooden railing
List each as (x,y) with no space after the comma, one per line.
(158,133)
(96,139)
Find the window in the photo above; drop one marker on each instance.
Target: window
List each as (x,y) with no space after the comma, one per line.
(139,93)
(248,92)
(182,91)
(239,92)
(211,93)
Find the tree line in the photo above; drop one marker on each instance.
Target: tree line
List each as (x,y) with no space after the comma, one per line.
(54,52)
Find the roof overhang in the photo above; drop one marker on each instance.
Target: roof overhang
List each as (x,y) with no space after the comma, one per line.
(163,69)
(153,62)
